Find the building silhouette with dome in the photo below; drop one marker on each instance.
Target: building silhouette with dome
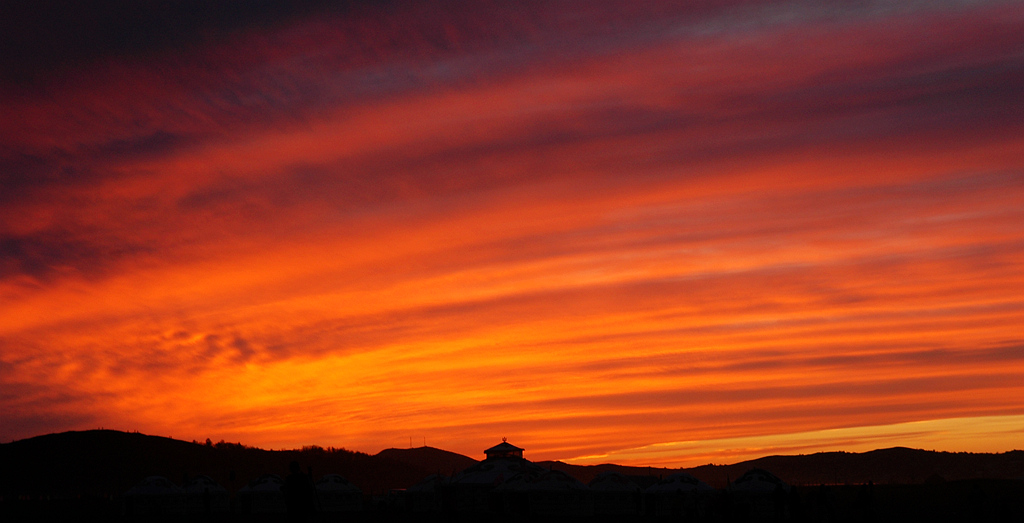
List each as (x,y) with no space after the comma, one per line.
(504,450)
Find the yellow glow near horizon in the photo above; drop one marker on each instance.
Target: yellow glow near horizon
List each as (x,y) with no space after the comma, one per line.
(980,434)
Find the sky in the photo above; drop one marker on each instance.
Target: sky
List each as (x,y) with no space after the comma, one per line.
(649,233)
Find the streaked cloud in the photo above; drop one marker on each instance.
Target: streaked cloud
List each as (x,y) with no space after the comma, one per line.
(964,434)
(727,222)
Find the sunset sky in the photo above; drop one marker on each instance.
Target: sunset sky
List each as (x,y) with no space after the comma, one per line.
(652,233)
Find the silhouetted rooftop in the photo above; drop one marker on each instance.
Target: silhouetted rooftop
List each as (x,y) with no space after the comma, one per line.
(504,450)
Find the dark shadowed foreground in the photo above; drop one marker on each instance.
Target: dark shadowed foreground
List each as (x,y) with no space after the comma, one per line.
(117,476)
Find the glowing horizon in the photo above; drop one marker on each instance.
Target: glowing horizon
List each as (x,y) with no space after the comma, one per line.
(687,234)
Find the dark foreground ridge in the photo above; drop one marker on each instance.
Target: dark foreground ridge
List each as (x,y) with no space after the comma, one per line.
(131,476)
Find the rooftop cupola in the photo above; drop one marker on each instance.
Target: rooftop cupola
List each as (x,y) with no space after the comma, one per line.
(504,450)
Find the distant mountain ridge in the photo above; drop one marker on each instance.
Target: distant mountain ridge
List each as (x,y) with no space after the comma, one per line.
(440,461)
(898,465)
(106,462)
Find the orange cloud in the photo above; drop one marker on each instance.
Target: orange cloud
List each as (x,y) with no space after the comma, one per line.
(717,236)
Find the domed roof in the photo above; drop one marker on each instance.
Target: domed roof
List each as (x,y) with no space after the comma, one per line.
(504,446)
(201,484)
(504,450)
(431,483)
(680,482)
(495,471)
(613,482)
(758,481)
(546,480)
(335,483)
(264,483)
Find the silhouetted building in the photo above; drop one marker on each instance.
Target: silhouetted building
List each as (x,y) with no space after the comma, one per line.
(154,495)
(680,495)
(504,450)
(759,494)
(335,494)
(428,495)
(616,495)
(203,495)
(680,482)
(263,496)
(545,493)
(758,481)
(473,488)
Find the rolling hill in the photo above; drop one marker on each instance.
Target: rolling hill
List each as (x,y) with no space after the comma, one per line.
(106,463)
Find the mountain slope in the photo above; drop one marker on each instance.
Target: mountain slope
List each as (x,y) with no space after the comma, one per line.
(106,462)
(894,466)
(429,458)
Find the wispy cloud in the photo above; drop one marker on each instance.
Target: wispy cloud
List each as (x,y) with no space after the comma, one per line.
(726,219)
(962,434)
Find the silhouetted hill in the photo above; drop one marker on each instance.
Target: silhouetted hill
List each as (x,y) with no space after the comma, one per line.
(105,463)
(643,476)
(98,462)
(429,458)
(898,465)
